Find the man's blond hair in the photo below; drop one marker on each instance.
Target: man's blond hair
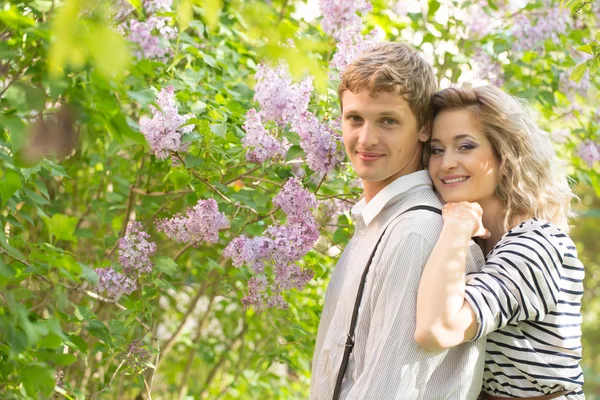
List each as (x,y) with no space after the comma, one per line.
(393,67)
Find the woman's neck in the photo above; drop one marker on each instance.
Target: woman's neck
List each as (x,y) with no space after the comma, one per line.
(493,220)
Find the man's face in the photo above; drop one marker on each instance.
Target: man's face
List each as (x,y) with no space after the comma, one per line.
(381,137)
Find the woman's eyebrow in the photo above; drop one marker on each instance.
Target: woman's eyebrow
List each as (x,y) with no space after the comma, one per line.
(456,138)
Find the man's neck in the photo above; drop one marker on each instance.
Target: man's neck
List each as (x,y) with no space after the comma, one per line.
(372,188)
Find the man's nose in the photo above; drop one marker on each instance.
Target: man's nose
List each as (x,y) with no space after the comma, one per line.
(368,136)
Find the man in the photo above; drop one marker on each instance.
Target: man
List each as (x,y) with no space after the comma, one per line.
(385,98)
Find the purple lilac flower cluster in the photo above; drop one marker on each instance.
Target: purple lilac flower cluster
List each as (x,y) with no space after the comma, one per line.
(163,131)
(570,87)
(114,283)
(260,144)
(331,209)
(340,14)
(350,44)
(134,255)
(201,223)
(589,151)
(135,250)
(532,32)
(150,35)
(487,68)
(280,102)
(282,246)
(321,143)
(280,99)
(135,356)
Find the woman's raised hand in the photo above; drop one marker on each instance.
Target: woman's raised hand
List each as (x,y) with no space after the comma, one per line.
(466,213)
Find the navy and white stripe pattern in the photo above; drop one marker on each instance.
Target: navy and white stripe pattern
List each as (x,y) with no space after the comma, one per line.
(527,299)
(386,362)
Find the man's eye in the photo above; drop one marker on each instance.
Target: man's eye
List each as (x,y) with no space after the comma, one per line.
(355,118)
(389,121)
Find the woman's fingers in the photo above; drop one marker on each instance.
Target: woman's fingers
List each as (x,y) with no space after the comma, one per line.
(467,213)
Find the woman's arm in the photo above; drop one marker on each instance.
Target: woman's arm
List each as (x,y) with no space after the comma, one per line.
(444,318)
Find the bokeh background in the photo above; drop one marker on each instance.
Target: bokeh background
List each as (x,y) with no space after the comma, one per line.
(138,110)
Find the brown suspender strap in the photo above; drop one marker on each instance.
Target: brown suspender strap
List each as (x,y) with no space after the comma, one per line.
(361,288)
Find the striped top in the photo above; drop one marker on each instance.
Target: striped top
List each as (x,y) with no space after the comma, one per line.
(386,362)
(527,300)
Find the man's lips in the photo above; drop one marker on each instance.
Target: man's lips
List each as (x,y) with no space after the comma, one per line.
(368,156)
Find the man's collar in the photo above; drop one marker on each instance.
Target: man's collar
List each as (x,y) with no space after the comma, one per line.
(369,211)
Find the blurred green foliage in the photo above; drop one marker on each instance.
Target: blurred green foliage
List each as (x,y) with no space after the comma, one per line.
(75,168)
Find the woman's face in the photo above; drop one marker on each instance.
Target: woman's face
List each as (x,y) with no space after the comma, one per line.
(463,165)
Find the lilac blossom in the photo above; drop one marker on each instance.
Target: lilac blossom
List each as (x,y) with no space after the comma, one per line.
(320,142)
(292,241)
(280,99)
(589,152)
(152,6)
(252,252)
(200,224)
(150,36)
(294,200)
(163,131)
(570,87)
(280,247)
(257,293)
(260,143)
(340,14)
(560,136)
(487,68)
(331,209)
(114,283)
(121,9)
(351,43)
(532,32)
(135,250)
(135,356)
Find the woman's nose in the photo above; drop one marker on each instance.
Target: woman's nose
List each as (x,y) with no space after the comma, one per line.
(448,161)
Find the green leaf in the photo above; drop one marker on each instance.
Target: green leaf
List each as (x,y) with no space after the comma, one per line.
(166,265)
(62,227)
(38,381)
(294,152)
(51,341)
(180,178)
(586,48)
(79,342)
(9,184)
(219,129)
(64,359)
(578,72)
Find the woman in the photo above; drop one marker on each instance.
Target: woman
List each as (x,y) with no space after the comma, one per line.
(496,169)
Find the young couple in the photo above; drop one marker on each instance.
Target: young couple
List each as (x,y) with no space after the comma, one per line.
(401,320)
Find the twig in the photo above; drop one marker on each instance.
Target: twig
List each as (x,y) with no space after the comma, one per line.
(227,350)
(183,250)
(125,221)
(188,367)
(155,364)
(147,390)
(115,374)
(256,178)
(162,207)
(320,183)
(230,181)
(273,211)
(159,194)
(214,189)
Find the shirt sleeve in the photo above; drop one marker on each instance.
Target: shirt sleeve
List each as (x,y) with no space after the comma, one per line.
(519,282)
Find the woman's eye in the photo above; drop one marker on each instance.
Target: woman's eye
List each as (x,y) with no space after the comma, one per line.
(436,150)
(466,146)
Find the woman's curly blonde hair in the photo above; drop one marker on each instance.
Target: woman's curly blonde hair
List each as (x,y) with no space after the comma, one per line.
(533,181)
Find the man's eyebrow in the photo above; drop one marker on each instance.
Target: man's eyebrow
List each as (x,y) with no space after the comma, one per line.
(456,138)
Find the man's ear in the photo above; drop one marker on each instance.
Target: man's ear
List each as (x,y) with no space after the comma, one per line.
(425,132)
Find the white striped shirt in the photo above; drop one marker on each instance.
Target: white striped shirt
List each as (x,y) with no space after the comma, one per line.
(527,300)
(386,362)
